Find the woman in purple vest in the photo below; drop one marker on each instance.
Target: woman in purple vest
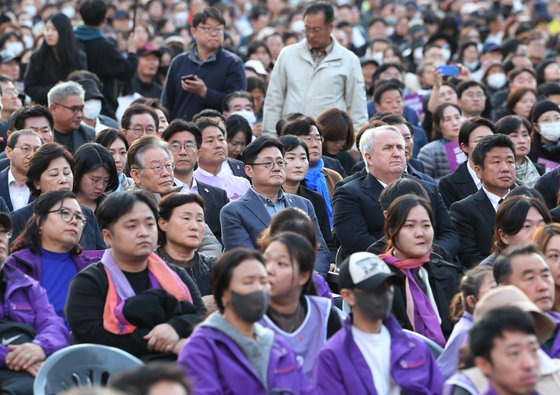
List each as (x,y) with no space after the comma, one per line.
(428,282)
(48,249)
(230,352)
(304,319)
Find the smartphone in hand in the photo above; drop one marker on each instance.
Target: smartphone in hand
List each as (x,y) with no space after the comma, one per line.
(451,71)
(190,77)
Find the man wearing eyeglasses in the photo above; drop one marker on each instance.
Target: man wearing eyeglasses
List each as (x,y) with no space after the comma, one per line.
(22,144)
(151,167)
(137,121)
(66,103)
(315,74)
(244,220)
(10,99)
(201,77)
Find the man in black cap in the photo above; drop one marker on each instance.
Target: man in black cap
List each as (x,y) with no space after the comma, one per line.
(371,351)
(143,81)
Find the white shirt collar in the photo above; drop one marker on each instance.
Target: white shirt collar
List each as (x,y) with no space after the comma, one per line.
(182,184)
(494,199)
(11,177)
(474,177)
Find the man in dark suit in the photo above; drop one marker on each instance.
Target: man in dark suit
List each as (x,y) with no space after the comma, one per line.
(474,216)
(184,139)
(463,181)
(244,220)
(358,218)
(66,103)
(22,144)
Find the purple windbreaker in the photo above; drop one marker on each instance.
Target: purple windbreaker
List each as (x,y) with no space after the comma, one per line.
(25,302)
(216,365)
(342,369)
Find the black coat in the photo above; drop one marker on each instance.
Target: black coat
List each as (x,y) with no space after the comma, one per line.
(474,218)
(214,199)
(457,185)
(44,71)
(84,134)
(548,186)
(237,168)
(358,219)
(5,190)
(320,207)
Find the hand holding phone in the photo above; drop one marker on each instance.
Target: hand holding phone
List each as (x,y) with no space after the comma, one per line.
(190,77)
(449,71)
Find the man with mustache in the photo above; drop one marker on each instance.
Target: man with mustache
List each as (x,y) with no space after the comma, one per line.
(474,216)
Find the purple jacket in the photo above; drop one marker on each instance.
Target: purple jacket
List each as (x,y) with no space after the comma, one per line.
(341,369)
(30,263)
(554,351)
(216,365)
(25,301)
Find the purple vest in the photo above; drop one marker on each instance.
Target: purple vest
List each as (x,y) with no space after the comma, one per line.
(311,336)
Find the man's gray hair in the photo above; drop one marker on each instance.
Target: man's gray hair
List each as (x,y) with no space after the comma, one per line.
(366,141)
(61,91)
(139,147)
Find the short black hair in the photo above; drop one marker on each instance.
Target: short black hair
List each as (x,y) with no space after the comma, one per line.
(384,67)
(235,123)
(511,124)
(463,86)
(108,136)
(90,157)
(385,86)
(470,125)
(208,13)
(548,88)
(299,127)
(484,333)
(502,265)
(118,204)
(179,125)
(16,121)
(291,143)
(318,7)
(222,271)
(541,67)
(136,109)
(204,122)
(140,380)
(93,12)
(251,151)
(487,143)
(41,160)
(208,113)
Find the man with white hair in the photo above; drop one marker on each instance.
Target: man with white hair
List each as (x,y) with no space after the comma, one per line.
(357,213)
(66,104)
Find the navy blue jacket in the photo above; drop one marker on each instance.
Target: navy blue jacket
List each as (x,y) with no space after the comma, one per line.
(222,73)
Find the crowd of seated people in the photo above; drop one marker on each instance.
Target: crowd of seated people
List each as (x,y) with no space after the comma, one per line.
(283,197)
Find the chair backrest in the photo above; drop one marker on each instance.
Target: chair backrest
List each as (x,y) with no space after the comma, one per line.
(435,348)
(81,365)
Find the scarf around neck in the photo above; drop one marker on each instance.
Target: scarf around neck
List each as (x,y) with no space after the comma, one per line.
(316,181)
(419,309)
(161,276)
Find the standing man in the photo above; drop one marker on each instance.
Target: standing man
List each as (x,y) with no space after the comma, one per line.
(201,77)
(103,59)
(66,103)
(315,74)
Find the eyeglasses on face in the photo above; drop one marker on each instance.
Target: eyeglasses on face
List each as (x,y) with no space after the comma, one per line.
(158,168)
(270,164)
(68,216)
(189,146)
(138,131)
(74,109)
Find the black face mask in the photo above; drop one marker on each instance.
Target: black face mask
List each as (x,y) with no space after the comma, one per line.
(250,307)
(376,304)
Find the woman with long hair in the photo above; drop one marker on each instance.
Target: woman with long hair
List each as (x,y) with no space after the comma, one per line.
(57,57)
(421,302)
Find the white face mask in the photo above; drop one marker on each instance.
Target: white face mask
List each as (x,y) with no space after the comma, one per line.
(92,108)
(31,10)
(298,26)
(378,57)
(446,54)
(70,12)
(248,115)
(418,55)
(28,40)
(15,47)
(550,131)
(180,18)
(496,80)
